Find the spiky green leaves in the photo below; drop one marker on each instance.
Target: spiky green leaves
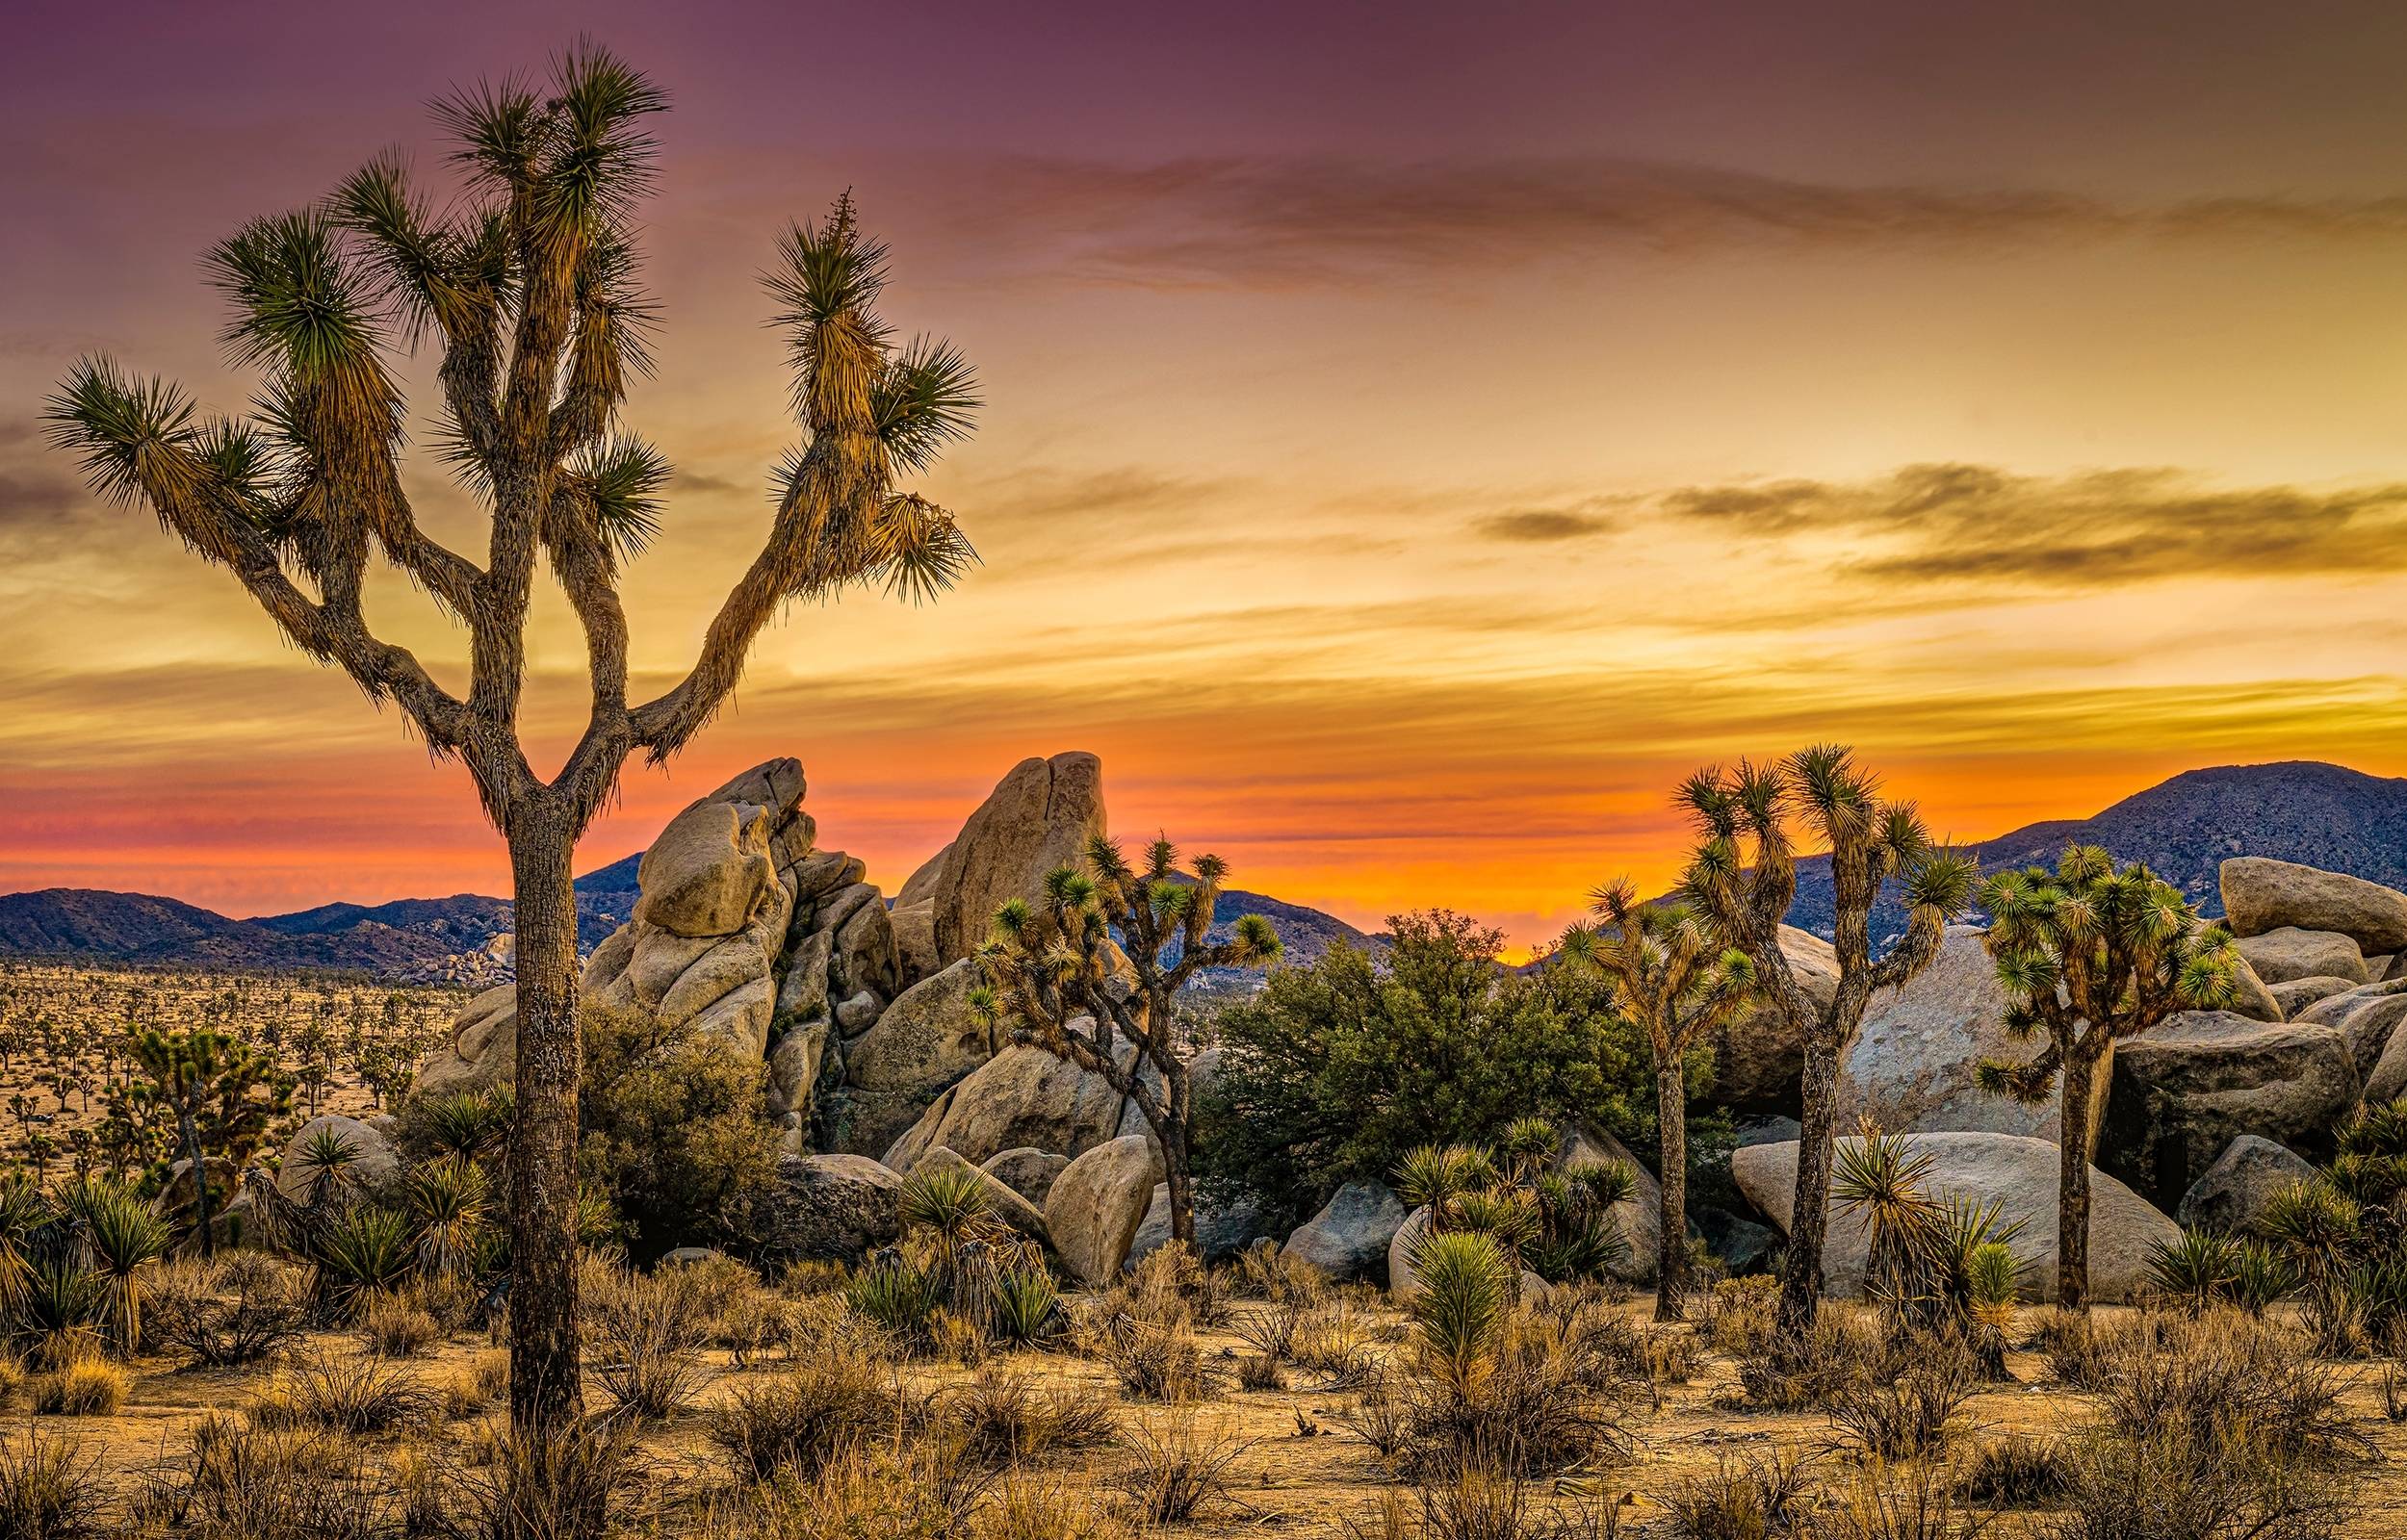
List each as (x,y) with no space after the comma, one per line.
(617,484)
(926,400)
(2091,948)
(130,434)
(576,161)
(1468,1283)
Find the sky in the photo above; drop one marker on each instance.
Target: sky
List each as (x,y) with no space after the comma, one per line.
(1416,435)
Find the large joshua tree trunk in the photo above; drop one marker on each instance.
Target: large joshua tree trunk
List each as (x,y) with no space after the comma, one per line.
(2072,1221)
(1809,1213)
(1671,1244)
(544,1383)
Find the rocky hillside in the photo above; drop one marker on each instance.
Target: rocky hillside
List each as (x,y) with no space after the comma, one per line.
(2316,814)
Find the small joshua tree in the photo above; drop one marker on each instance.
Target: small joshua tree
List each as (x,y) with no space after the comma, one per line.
(2088,955)
(1744,878)
(1676,985)
(1057,974)
(220,1094)
(528,280)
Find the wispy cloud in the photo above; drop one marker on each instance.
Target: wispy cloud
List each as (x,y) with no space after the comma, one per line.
(1979,524)
(1305,222)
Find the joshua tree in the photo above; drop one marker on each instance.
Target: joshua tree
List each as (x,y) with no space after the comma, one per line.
(221,1096)
(528,284)
(2088,955)
(1870,842)
(1676,983)
(1054,970)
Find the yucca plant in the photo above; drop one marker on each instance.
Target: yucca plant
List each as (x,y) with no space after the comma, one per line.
(2194,1270)
(447,1200)
(469,1124)
(360,1252)
(125,1234)
(895,1295)
(1028,1306)
(23,1213)
(1435,1175)
(61,1311)
(325,1163)
(1468,1284)
(1880,1176)
(1527,1144)
(949,1201)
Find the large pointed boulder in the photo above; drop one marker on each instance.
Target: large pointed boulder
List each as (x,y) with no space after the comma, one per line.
(1040,816)
(1023,1096)
(2185,1090)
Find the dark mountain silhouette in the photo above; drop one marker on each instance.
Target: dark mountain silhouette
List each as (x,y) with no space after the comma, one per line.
(2302,811)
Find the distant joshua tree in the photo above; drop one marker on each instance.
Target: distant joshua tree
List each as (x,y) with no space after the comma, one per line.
(1676,983)
(1744,878)
(220,1095)
(2091,955)
(1057,974)
(528,284)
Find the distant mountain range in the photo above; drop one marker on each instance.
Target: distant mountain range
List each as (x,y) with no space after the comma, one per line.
(459,939)
(2302,811)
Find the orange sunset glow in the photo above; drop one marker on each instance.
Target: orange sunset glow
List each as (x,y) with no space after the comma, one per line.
(1415,436)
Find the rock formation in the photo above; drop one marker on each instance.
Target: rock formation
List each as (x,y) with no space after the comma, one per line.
(2019,1173)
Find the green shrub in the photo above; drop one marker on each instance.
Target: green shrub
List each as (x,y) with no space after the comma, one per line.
(1337,1069)
(675,1131)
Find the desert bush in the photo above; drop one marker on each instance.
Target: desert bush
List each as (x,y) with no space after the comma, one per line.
(83,1387)
(2166,1483)
(2081,1350)
(1834,1357)
(241,1482)
(1154,1361)
(50,1490)
(2230,1376)
(1738,1314)
(1912,1502)
(831,1399)
(555,1485)
(484,1386)
(1031,1509)
(915,1491)
(327,1392)
(1671,1356)
(675,1132)
(1906,1406)
(1751,1497)
(395,1326)
(1004,1416)
(1257,1372)
(647,1333)
(1179,1468)
(2016,1471)
(243,1310)
(2202,1269)
(1335,1343)
(1264,1271)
